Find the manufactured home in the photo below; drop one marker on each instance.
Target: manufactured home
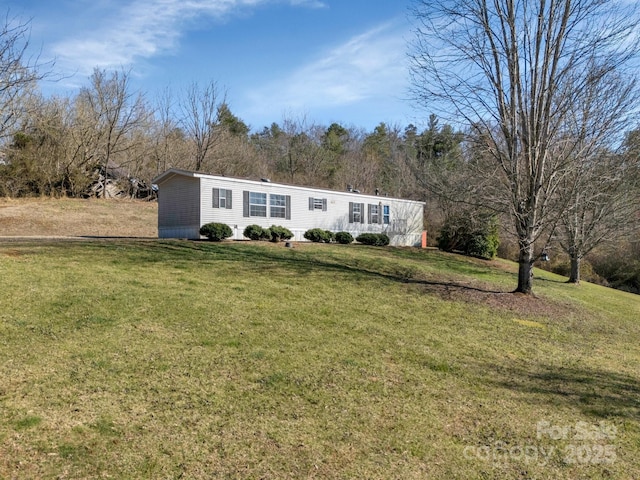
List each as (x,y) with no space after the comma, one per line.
(187,200)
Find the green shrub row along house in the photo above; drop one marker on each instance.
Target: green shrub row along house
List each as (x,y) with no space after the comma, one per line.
(188,200)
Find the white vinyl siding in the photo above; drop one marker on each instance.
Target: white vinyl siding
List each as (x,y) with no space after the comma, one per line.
(186,202)
(179,209)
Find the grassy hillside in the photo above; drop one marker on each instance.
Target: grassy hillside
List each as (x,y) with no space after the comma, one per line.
(76,217)
(168,359)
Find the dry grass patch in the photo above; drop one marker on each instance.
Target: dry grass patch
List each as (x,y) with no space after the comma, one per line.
(76,217)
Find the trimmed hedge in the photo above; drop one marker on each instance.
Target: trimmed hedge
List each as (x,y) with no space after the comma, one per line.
(345,238)
(318,235)
(216,231)
(256,232)
(376,239)
(278,233)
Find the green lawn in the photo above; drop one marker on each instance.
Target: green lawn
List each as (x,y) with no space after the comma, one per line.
(170,359)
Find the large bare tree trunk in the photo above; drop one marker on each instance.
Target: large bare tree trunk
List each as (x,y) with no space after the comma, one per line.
(525,270)
(574,275)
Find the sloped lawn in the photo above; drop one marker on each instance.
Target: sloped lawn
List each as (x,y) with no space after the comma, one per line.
(169,359)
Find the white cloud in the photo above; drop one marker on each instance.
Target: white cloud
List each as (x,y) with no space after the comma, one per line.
(140,29)
(309,3)
(369,66)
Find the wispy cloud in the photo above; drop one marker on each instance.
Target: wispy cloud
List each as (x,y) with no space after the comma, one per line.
(142,29)
(366,67)
(309,3)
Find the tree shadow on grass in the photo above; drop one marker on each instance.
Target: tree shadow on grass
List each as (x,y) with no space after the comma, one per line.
(266,259)
(597,393)
(308,262)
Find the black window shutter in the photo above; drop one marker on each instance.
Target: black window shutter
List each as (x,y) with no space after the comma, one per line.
(245,203)
(369,212)
(362,213)
(229,199)
(350,212)
(311,203)
(216,198)
(287,207)
(380,213)
(324,204)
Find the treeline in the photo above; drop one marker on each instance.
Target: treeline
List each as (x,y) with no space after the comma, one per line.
(108,140)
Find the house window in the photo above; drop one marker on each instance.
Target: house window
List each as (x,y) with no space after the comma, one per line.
(221,198)
(278,206)
(254,204)
(386,216)
(374,213)
(318,204)
(355,212)
(257,204)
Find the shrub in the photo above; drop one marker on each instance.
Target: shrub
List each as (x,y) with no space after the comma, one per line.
(344,238)
(256,232)
(376,239)
(476,236)
(216,231)
(318,235)
(278,233)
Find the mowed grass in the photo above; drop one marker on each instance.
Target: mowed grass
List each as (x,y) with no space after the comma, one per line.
(175,359)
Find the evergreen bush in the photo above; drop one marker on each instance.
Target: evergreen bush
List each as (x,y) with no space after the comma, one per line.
(318,235)
(376,239)
(278,233)
(344,238)
(216,231)
(256,232)
(474,236)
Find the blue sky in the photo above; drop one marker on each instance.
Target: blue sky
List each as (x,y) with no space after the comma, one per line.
(324,60)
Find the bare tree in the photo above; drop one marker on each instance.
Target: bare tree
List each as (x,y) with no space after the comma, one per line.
(599,210)
(200,119)
(19,73)
(514,71)
(167,138)
(603,207)
(114,115)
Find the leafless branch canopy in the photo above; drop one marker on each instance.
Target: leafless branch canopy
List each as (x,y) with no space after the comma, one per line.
(542,83)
